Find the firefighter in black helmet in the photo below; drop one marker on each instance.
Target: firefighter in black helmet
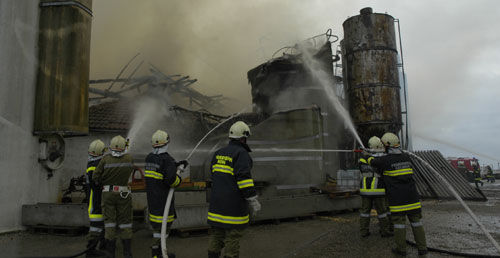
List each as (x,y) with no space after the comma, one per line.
(232,194)
(161,175)
(402,194)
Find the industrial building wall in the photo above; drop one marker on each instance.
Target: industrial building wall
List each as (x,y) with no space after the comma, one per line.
(75,158)
(24,180)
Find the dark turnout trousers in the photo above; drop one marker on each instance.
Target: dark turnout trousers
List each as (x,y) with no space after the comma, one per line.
(227,238)
(156,240)
(117,213)
(377,202)
(399,220)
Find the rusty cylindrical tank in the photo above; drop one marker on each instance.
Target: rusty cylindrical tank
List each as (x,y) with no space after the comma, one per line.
(63,67)
(371,73)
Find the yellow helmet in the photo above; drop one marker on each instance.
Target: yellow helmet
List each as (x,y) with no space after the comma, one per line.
(97,148)
(118,143)
(160,138)
(390,140)
(375,143)
(239,130)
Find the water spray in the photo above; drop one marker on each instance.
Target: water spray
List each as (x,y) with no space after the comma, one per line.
(316,69)
(452,190)
(171,191)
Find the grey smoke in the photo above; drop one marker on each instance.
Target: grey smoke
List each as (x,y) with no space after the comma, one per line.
(451,51)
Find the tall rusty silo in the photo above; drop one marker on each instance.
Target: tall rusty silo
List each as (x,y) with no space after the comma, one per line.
(371,73)
(61,103)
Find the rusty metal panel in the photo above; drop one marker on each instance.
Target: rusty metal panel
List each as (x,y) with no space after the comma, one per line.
(63,71)
(430,186)
(285,84)
(287,74)
(371,74)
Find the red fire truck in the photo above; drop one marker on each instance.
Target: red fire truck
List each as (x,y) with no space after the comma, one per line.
(465,166)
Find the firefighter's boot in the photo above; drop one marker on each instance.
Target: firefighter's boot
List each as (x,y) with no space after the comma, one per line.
(213,254)
(390,224)
(384,227)
(156,252)
(91,246)
(400,237)
(110,248)
(102,242)
(127,248)
(419,235)
(364,225)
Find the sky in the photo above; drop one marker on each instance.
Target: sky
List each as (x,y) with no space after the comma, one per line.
(451,52)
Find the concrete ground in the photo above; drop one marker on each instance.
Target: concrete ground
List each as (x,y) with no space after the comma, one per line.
(447,226)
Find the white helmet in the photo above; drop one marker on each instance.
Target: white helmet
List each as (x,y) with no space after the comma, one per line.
(390,140)
(160,138)
(96,148)
(118,143)
(239,130)
(375,143)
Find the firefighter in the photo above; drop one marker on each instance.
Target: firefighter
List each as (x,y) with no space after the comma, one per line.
(232,193)
(489,175)
(96,230)
(402,194)
(112,175)
(477,176)
(161,175)
(372,191)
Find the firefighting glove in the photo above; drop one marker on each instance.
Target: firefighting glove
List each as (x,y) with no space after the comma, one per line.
(254,204)
(182,162)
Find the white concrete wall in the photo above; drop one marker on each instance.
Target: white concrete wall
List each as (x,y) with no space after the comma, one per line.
(23,179)
(75,159)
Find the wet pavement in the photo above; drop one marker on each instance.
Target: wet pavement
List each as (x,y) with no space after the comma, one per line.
(447,226)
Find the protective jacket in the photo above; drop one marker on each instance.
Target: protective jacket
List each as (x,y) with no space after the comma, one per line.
(232,183)
(489,174)
(397,172)
(477,174)
(94,193)
(114,171)
(370,185)
(161,174)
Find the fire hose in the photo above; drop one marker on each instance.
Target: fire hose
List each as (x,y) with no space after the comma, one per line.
(163,234)
(457,196)
(432,249)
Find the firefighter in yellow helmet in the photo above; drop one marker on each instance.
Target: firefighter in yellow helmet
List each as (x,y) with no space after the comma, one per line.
(161,175)
(233,193)
(96,231)
(402,193)
(372,191)
(112,175)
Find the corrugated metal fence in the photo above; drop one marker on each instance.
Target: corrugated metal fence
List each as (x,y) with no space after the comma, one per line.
(430,186)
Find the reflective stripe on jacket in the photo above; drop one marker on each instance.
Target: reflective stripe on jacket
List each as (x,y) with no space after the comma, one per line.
(400,185)
(372,186)
(160,173)
(94,193)
(114,170)
(232,183)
